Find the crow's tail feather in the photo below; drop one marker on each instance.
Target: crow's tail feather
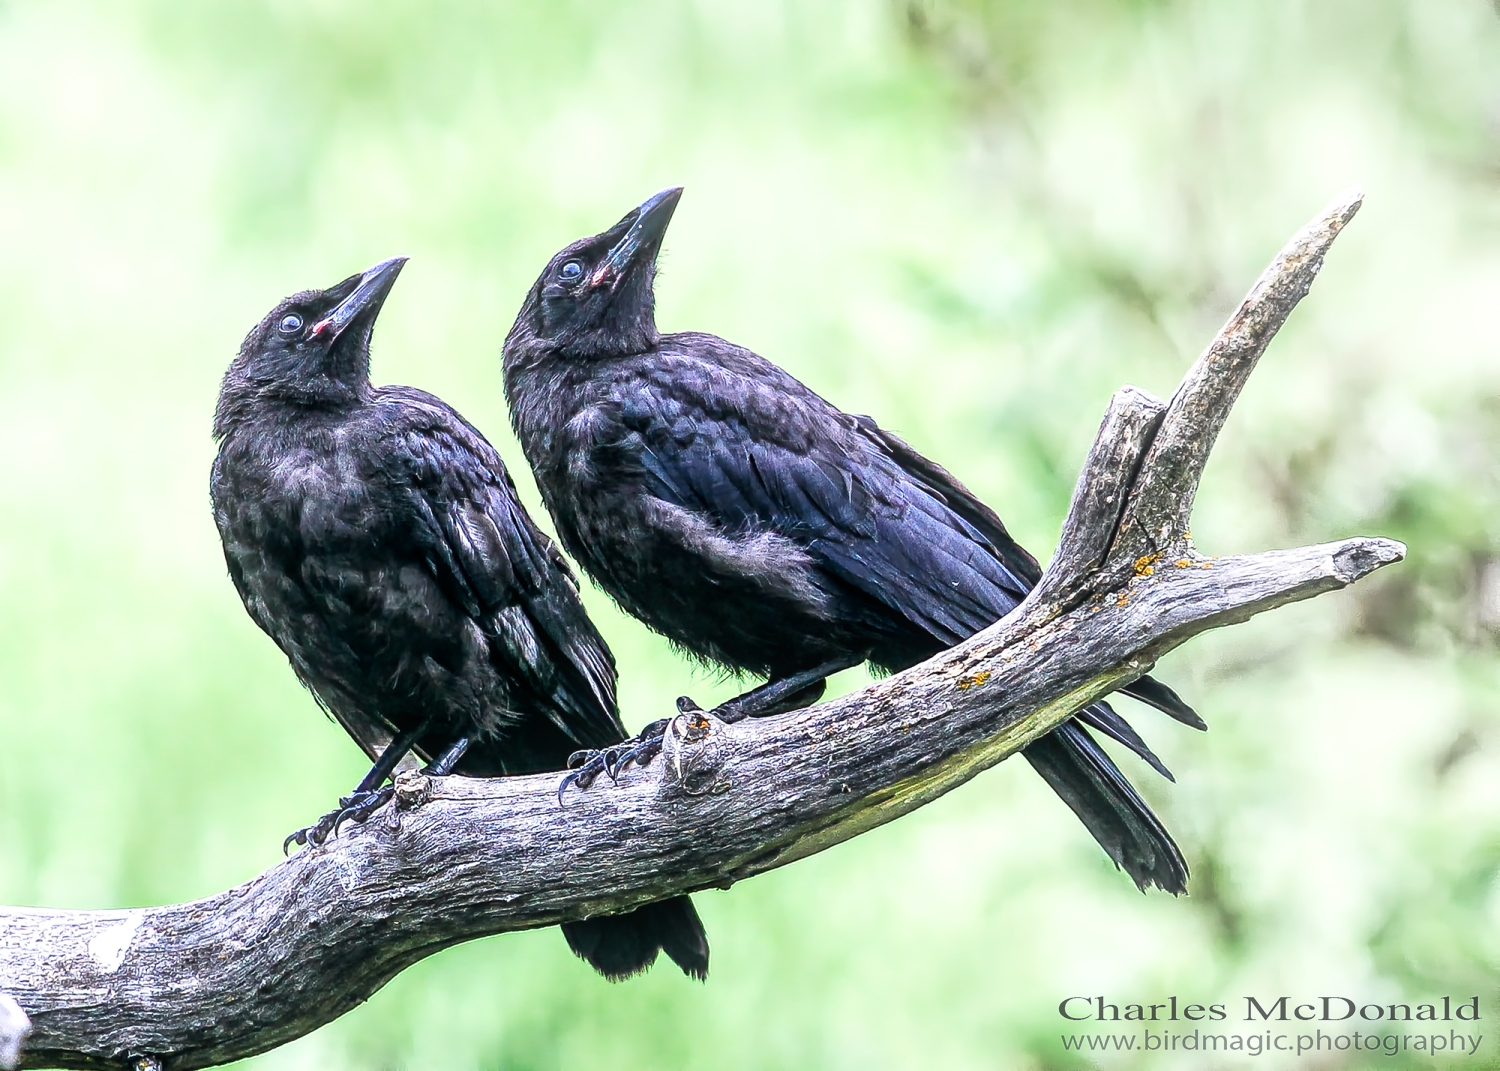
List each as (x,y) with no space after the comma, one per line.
(1087,779)
(1154,693)
(1102,716)
(618,946)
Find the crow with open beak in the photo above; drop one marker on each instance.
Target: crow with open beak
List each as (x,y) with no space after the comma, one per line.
(376,536)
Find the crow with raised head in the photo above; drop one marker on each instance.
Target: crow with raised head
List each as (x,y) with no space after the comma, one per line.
(375,535)
(760,528)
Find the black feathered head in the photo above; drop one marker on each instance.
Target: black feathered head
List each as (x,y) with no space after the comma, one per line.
(596,298)
(313,349)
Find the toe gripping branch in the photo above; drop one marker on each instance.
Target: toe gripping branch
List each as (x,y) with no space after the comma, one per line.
(587,765)
(358,805)
(692,726)
(371,794)
(693,723)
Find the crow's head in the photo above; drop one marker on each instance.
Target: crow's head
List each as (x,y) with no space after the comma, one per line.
(313,348)
(595,298)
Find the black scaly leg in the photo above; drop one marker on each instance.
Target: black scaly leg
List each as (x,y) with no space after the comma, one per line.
(443,765)
(786,693)
(366,791)
(361,809)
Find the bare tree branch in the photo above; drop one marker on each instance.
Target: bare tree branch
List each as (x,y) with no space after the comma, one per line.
(197,984)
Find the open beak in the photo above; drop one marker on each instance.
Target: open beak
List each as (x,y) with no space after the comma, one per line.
(644,236)
(371,293)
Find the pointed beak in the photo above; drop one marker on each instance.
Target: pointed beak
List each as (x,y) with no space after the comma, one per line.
(644,236)
(374,286)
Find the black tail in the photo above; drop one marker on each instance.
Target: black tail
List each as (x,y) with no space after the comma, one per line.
(1153,692)
(618,946)
(1087,779)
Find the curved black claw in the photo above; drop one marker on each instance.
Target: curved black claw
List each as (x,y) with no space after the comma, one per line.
(357,806)
(311,836)
(587,765)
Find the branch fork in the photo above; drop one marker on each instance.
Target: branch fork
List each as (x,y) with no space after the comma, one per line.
(451,859)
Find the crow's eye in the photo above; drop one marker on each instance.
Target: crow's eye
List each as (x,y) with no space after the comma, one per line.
(570,272)
(291,323)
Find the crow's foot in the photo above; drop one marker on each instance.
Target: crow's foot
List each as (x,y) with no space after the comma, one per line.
(589,764)
(357,806)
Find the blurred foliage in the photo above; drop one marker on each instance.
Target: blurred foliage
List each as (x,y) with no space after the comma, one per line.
(972,218)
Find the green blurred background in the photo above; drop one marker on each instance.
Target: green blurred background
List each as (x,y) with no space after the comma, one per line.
(972,219)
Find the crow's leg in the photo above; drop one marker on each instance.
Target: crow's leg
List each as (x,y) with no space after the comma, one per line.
(364,793)
(443,766)
(359,805)
(774,697)
(783,694)
(359,808)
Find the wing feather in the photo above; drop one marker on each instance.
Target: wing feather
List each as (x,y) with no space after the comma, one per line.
(507,575)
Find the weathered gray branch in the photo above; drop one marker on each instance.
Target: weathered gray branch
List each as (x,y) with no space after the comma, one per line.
(453,859)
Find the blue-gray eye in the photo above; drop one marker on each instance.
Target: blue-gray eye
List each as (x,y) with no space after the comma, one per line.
(570,272)
(291,323)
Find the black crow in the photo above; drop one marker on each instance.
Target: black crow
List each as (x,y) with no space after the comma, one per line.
(376,536)
(761,529)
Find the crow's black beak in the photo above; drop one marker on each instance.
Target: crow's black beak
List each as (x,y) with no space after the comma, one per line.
(368,296)
(644,236)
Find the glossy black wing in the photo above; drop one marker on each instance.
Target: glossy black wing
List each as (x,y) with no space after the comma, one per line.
(940,483)
(509,577)
(756,455)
